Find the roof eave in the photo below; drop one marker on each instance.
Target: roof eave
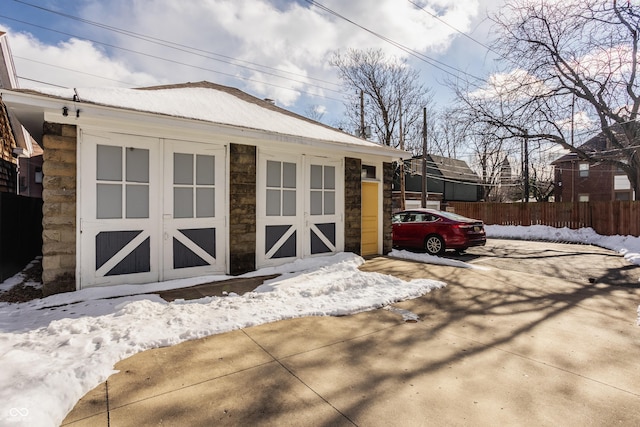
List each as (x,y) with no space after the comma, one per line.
(31,109)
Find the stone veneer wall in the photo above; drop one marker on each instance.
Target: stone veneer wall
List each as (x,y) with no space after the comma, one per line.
(59,208)
(8,164)
(352,205)
(242,208)
(387,207)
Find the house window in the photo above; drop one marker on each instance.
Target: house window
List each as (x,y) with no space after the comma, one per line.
(623,195)
(584,170)
(621,182)
(368,171)
(583,197)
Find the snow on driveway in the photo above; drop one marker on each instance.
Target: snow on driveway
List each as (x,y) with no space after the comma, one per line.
(56,349)
(53,354)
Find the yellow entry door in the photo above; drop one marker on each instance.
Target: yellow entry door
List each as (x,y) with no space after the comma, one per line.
(369,218)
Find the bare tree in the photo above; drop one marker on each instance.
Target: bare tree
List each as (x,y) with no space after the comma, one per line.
(448,133)
(315,112)
(564,59)
(386,86)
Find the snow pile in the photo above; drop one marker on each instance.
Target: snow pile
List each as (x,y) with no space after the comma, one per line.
(629,246)
(64,351)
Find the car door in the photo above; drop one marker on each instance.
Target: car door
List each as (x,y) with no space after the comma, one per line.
(411,230)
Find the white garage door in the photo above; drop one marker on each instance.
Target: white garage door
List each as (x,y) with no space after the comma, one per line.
(150,209)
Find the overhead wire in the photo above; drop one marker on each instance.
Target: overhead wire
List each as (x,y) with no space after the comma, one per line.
(455,29)
(180,47)
(184,64)
(230,60)
(41,82)
(66,69)
(412,52)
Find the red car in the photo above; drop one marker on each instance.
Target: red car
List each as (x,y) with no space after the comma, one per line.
(435,231)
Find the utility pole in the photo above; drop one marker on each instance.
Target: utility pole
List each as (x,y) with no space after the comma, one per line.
(362,134)
(402,193)
(425,194)
(526,166)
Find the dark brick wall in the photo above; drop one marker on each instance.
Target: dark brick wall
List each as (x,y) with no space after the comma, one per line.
(387,207)
(598,185)
(242,208)
(352,205)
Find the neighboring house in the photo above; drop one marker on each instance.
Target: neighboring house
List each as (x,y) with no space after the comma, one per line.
(577,180)
(504,190)
(448,180)
(30,174)
(20,157)
(145,185)
(8,161)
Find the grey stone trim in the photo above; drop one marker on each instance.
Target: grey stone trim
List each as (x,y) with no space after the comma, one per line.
(242,208)
(387,207)
(352,205)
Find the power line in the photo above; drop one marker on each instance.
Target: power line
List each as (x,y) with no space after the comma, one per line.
(40,81)
(184,64)
(455,29)
(182,47)
(418,55)
(67,69)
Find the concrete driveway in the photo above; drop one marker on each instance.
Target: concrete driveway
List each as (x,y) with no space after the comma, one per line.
(578,263)
(547,336)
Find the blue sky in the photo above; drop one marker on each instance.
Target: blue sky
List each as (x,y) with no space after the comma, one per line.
(269,48)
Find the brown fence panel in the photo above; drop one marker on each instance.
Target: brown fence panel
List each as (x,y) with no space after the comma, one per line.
(606,218)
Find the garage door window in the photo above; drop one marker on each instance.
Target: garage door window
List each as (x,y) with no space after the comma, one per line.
(122,172)
(281,189)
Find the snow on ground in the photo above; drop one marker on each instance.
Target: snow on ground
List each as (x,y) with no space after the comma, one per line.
(54,350)
(629,246)
(20,278)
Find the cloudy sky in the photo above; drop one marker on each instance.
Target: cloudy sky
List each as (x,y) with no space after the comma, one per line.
(277,49)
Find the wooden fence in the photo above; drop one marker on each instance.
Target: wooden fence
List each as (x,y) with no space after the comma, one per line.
(606,218)
(20,232)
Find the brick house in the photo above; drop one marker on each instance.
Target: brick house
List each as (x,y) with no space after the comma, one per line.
(577,180)
(20,157)
(145,185)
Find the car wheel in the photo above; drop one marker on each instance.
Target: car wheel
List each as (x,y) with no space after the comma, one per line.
(434,245)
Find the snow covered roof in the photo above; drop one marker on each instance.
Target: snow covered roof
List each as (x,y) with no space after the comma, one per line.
(209,102)
(453,168)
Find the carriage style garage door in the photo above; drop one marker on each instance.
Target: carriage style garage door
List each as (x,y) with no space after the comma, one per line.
(150,209)
(300,208)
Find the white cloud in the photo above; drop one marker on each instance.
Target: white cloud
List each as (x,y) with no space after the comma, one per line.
(297,38)
(204,39)
(71,63)
(511,86)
